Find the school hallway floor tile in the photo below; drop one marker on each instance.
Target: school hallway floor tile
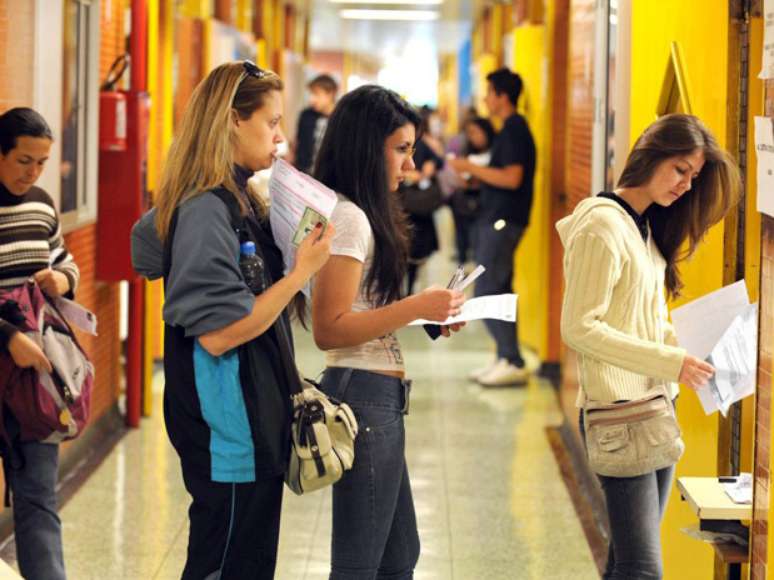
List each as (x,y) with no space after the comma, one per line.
(491,503)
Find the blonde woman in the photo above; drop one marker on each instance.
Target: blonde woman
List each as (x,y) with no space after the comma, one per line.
(231,433)
(621,249)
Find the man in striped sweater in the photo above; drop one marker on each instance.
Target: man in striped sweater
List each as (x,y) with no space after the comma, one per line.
(31,246)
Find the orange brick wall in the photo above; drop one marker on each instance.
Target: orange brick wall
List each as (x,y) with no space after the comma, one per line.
(17,28)
(113,41)
(16,57)
(103,300)
(763,425)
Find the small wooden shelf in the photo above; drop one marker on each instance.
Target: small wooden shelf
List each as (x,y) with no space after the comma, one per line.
(709,501)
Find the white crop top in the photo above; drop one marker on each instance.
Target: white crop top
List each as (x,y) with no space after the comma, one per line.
(354,238)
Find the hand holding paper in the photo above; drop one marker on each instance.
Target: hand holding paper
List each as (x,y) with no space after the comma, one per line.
(721,328)
(298,204)
(498,307)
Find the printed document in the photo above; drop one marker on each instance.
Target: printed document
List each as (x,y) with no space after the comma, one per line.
(764,150)
(298,204)
(734,358)
(722,328)
(497,307)
(767,72)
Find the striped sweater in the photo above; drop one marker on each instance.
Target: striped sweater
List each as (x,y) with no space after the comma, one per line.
(30,241)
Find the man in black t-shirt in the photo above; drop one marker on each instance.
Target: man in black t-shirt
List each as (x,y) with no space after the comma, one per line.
(506,200)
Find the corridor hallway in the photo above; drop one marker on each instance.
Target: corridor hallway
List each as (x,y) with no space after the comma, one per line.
(491,503)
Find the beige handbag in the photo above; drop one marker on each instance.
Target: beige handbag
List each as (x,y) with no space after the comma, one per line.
(632,438)
(322,445)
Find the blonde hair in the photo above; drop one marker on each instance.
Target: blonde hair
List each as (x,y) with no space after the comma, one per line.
(201,157)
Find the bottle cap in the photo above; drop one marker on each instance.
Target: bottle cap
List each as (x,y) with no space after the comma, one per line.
(247,248)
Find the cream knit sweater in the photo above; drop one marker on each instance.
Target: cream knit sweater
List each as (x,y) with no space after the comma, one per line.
(614,314)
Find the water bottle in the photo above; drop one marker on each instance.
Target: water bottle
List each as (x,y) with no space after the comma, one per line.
(251,266)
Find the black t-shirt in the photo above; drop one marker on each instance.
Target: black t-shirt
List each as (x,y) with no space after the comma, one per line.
(513,145)
(425,153)
(305,139)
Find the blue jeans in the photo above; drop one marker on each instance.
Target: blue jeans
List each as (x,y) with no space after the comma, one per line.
(635,508)
(374,526)
(37,528)
(494,249)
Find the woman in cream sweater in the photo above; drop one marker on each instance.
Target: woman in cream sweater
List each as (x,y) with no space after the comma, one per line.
(621,250)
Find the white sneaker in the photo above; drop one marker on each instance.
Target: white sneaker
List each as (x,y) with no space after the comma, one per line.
(480,372)
(503,374)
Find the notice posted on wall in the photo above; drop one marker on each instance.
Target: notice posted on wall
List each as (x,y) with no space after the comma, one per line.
(767,72)
(764,150)
(297,204)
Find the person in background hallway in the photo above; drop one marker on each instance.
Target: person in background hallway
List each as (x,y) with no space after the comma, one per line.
(31,246)
(465,202)
(356,309)
(506,200)
(314,119)
(428,159)
(621,249)
(233,458)
(456,144)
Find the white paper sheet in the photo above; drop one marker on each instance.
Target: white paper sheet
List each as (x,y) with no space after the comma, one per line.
(298,204)
(764,149)
(734,358)
(77,315)
(497,307)
(700,324)
(767,72)
(741,490)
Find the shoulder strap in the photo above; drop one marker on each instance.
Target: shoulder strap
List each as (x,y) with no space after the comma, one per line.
(237,219)
(235,213)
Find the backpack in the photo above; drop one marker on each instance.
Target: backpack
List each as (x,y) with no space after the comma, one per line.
(49,408)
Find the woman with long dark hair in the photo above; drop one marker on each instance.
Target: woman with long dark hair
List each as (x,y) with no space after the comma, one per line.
(622,249)
(356,309)
(229,427)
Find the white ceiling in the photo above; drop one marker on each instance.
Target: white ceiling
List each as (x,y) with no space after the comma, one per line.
(385,39)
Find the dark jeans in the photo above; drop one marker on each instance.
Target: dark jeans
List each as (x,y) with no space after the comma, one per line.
(37,528)
(374,526)
(234,529)
(635,508)
(494,249)
(463,236)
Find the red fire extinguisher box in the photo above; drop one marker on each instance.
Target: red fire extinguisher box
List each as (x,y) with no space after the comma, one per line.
(122,180)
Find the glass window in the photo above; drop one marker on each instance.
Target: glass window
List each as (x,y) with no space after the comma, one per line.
(75,81)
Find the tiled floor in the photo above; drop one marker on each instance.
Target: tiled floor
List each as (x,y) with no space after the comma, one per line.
(490,501)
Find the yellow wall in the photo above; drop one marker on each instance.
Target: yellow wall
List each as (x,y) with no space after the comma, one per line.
(655,24)
(531,54)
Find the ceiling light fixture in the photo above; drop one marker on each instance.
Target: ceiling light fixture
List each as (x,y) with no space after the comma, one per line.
(414,15)
(395,2)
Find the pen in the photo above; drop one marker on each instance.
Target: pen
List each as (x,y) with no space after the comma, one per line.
(455,278)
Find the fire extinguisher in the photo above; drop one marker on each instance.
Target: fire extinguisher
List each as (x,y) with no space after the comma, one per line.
(112,108)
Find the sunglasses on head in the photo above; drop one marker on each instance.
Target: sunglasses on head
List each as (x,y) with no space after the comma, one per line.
(253,70)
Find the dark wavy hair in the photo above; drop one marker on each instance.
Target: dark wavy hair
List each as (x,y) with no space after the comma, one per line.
(351,161)
(504,80)
(713,193)
(21,122)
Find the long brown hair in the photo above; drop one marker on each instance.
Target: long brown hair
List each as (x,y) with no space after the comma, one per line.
(713,192)
(202,155)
